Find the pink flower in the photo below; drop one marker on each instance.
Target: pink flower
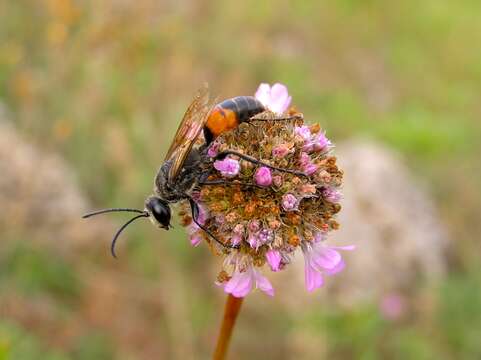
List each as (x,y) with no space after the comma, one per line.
(275,98)
(193,229)
(236,239)
(289,202)
(320,259)
(203,214)
(195,239)
(308,167)
(213,149)
(195,236)
(239,229)
(241,282)
(277,180)
(321,142)
(304,132)
(254,226)
(263,176)
(320,236)
(265,236)
(220,219)
(274,259)
(308,190)
(304,159)
(253,241)
(227,167)
(280,151)
(331,194)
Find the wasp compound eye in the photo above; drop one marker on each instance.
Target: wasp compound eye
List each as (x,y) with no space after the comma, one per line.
(160,210)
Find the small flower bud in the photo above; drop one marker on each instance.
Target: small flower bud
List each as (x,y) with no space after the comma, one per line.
(263,176)
(227,167)
(289,202)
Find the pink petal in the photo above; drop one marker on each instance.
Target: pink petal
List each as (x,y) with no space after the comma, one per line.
(195,239)
(240,284)
(280,99)
(244,286)
(203,214)
(263,94)
(336,269)
(274,259)
(347,247)
(230,285)
(320,236)
(325,257)
(263,283)
(313,278)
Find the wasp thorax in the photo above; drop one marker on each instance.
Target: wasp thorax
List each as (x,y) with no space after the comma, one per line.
(159,211)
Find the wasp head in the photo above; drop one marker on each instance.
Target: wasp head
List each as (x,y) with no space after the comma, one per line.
(159,211)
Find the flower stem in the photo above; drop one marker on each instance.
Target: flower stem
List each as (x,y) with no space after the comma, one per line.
(231,310)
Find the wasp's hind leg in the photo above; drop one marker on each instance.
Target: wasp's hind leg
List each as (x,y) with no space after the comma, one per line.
(195,213)
(253,160)
(298,116)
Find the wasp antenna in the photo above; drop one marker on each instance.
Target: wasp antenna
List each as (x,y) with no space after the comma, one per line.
(114,240)
(98,212)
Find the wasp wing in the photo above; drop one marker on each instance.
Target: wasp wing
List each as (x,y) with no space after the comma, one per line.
(189,129)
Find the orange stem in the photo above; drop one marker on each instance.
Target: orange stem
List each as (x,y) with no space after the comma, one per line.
(231,310)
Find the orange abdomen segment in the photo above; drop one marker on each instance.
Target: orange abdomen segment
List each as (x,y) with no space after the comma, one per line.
(221,120)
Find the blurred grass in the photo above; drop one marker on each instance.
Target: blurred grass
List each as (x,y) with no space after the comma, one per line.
(104,83)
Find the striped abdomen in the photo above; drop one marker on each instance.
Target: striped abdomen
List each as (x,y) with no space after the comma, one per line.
(229,114)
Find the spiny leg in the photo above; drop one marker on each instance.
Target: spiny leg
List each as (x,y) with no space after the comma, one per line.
(253,160)
(227,182)
(298,116)
(195,213)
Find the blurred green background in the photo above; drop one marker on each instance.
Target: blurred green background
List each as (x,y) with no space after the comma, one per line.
(103,84)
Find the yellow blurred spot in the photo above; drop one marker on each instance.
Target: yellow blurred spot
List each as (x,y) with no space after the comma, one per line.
(56,33)
(11,54)
(62,129)
(22,85)
(63,11)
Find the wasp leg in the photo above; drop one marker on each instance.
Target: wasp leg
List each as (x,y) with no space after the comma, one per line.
(253,160)
(227,182)
(298,116)
(195,213)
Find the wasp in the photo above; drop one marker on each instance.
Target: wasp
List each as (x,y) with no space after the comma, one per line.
(187,167)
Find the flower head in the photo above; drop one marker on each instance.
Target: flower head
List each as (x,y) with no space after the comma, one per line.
(275,98)
(263,211)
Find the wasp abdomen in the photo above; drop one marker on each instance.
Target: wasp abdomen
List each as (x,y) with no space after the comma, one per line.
(244,106)
(229,114)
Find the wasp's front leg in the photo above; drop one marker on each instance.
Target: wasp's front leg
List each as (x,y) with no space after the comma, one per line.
(195,214)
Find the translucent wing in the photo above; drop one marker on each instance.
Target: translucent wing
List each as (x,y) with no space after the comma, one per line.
(189,129)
